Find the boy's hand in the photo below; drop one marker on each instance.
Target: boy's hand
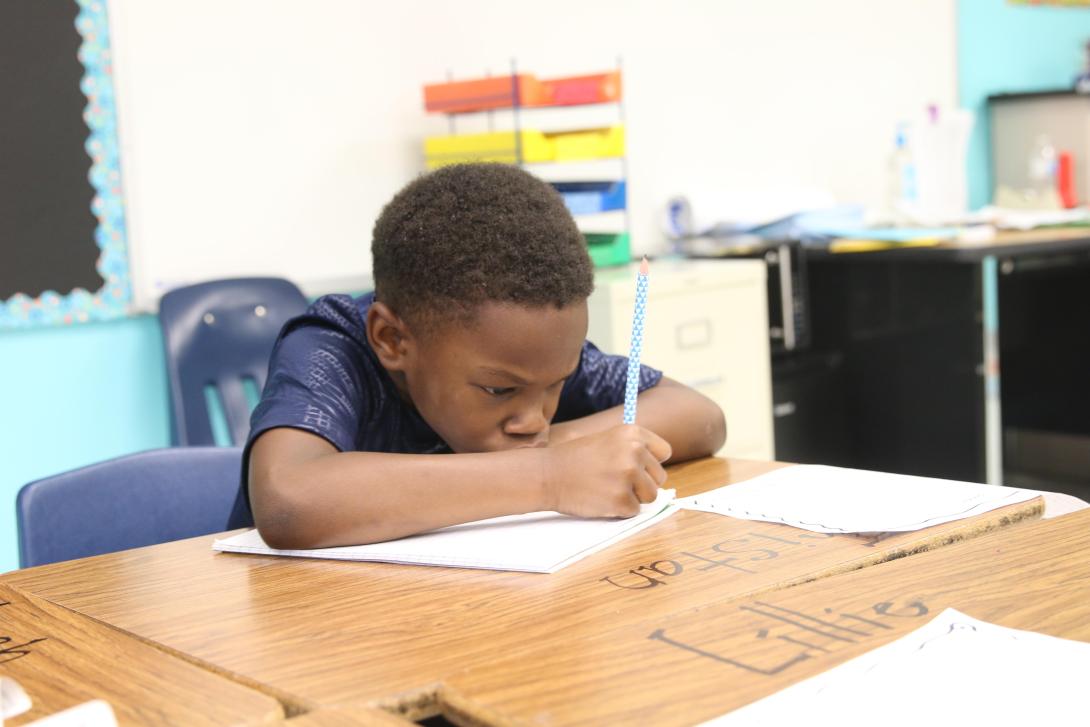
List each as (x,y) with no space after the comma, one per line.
(607,474)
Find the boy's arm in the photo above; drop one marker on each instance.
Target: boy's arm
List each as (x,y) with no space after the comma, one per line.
(306,494)
(692,423)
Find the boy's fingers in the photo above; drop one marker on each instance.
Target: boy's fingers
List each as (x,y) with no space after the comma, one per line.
(658,446)
(654,468)
(645,487)
(630,507)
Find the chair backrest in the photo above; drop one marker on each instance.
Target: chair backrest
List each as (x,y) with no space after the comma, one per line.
(218,337)
(136,500)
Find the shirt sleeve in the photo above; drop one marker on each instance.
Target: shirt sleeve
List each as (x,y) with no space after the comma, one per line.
(318,382)
(599,383)
(317,375)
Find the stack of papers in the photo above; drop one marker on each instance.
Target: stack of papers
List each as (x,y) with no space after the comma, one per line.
(837,500)
(537,542)
(955,670)
(1006,218)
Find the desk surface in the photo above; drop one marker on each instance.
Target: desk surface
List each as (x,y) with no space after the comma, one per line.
(696,665)
(1046,241)
(325,633)
(63,659)
(346,717)
(1054,240)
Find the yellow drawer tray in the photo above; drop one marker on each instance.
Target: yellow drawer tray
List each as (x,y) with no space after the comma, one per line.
(502,146)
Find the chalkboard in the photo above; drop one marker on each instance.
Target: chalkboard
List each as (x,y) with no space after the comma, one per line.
(62,234)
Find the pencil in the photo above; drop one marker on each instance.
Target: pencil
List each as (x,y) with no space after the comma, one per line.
(632,384)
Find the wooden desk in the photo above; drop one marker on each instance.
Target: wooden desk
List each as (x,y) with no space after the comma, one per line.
(696,665)
(329,632)
(63,659)
(347,717)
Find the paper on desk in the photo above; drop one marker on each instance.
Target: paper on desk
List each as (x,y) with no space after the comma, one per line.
(537,542)
(13,699)
(837,500)
(954,670)
(1007,218)
(95,713)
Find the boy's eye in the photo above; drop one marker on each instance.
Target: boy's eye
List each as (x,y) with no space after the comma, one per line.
(498,390)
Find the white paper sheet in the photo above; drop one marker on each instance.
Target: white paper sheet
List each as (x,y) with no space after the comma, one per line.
(95,713)
(956,670)
(537,542)
(13,699)
(837,500)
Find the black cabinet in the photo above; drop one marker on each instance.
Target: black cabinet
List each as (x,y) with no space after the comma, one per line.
(1044,314)
(968,363)
(911,334)
(810,419)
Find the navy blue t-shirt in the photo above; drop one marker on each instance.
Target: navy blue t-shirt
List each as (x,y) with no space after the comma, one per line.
(325,379)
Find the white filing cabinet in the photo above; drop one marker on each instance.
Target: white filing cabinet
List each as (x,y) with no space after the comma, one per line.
(706,326)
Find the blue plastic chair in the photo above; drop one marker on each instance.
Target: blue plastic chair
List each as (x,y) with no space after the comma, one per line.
(136,500)
(218,336)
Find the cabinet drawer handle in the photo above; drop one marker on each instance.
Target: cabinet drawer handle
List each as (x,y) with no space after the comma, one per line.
(787,297)
(783,409)
(694,334)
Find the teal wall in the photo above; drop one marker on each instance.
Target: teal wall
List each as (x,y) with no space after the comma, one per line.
(70,396)
(1004,48)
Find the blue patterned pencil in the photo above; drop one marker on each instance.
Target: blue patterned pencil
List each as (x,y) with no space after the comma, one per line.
(632,384)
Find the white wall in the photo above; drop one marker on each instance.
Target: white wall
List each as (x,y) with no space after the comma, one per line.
(263,136)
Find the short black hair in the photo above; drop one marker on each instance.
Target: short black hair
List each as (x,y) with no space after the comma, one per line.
(467,234)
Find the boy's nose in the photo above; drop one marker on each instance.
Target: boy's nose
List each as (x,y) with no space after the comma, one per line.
(527,423)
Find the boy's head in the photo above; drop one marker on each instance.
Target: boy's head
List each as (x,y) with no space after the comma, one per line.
(481,281)
(474,233)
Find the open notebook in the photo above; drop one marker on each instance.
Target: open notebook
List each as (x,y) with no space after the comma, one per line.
(838,500)
(537,542)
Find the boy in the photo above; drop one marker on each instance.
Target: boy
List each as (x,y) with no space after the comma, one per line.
(463,388)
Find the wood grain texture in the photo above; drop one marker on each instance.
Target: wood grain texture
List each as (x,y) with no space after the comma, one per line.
(347,717)
(63,659)
(331,632)
(695,665)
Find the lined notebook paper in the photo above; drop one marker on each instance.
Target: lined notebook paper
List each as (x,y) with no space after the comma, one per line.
(956,670)
(837,500)
(536,542)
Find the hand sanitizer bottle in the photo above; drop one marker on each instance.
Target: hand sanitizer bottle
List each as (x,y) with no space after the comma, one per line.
(903,192)
(1041,192)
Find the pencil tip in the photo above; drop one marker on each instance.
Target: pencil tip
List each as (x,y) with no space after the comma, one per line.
(643,266)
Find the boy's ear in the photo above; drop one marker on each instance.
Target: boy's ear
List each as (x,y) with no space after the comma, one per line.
(388,335)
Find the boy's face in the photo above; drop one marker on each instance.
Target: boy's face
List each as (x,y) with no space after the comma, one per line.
(495,385)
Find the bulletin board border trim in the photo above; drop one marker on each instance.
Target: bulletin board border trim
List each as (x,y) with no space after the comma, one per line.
(114,298)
